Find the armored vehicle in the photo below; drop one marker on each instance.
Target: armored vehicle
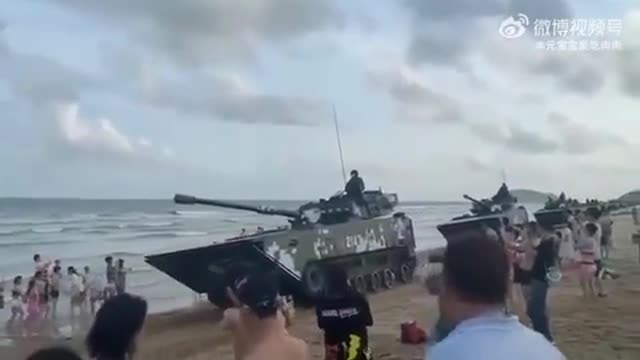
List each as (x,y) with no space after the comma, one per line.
(486,215)
(376,248)
(556,211)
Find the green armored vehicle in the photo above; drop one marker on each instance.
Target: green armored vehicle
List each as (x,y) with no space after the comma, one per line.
(376,249)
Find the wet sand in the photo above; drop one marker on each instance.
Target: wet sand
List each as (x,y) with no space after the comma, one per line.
(607,328)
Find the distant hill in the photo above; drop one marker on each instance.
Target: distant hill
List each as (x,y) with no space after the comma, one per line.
(631,197)
(531,196)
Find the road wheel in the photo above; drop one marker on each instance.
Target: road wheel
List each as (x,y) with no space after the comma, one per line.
(314,280)
(406,273)
(361,284)
(388,278)
(375,281)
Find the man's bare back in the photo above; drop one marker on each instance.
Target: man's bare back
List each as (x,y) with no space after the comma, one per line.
(280,346)
(254,339)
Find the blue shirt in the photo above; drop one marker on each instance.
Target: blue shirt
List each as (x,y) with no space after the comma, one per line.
(494,336)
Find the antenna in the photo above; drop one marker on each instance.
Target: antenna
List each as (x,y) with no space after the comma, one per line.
(335,120)
(504,176)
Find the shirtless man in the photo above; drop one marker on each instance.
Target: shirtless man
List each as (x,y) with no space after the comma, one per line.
(258,322)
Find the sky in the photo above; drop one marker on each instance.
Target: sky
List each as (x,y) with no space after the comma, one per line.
(234,99)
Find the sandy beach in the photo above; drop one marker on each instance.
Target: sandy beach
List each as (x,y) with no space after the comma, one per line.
(596,329)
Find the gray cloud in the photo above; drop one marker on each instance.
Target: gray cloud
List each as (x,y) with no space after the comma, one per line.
(541,9)
(573,73)
(526,141)
(578,138)
(475,163)
(196,32)
(629,71)
(515,137)
(415,101)
(443,31)
(40,80)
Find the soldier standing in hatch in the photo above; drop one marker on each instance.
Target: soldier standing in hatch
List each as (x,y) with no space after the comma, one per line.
(355,189)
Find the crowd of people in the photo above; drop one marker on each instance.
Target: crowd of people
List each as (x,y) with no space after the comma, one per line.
(483,279)
(35,300)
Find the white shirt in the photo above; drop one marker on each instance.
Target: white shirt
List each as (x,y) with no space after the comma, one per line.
(76,285)
(494,336)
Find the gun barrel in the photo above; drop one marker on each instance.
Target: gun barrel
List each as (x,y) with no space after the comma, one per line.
(192,200)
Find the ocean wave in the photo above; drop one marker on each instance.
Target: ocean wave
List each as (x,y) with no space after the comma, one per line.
(31,243)
(173,234)
(38,230)
(193,213)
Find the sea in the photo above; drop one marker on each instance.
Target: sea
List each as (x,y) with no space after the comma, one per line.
(83,232)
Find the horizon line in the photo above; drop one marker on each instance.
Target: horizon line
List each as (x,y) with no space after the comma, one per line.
(171,199)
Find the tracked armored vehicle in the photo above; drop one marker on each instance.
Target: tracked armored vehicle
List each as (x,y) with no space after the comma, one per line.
(376,249)
(488,214)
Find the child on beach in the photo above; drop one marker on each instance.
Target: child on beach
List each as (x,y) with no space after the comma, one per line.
(588,266)
(17,312)
(121,277)
(54,289)
(110,288)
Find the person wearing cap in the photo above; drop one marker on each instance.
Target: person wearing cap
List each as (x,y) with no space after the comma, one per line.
(258,323)
(343,315)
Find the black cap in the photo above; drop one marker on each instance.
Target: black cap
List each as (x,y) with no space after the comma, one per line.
(259,291)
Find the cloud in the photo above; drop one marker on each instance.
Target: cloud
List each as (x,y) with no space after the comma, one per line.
(480,163)
(415,101)
(197,32)
(229,98)
(578,73)
(444,32)
(628,60)
(526,141)
(41,80)
(580,138)
(99,139)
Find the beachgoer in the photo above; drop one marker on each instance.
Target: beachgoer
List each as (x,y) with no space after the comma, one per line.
(343,315)
(593,216)
(77,290)
(472,300)
(567,252)
(17,298)
(606,224)
(54,353)
(54,289)
(526,260)
(42,283)
(118,323)
(121,277)
(94,288)
(588,268)
(35,311)
(110,288)
(539,287)
(258,328)
(40,265)
(634,215)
